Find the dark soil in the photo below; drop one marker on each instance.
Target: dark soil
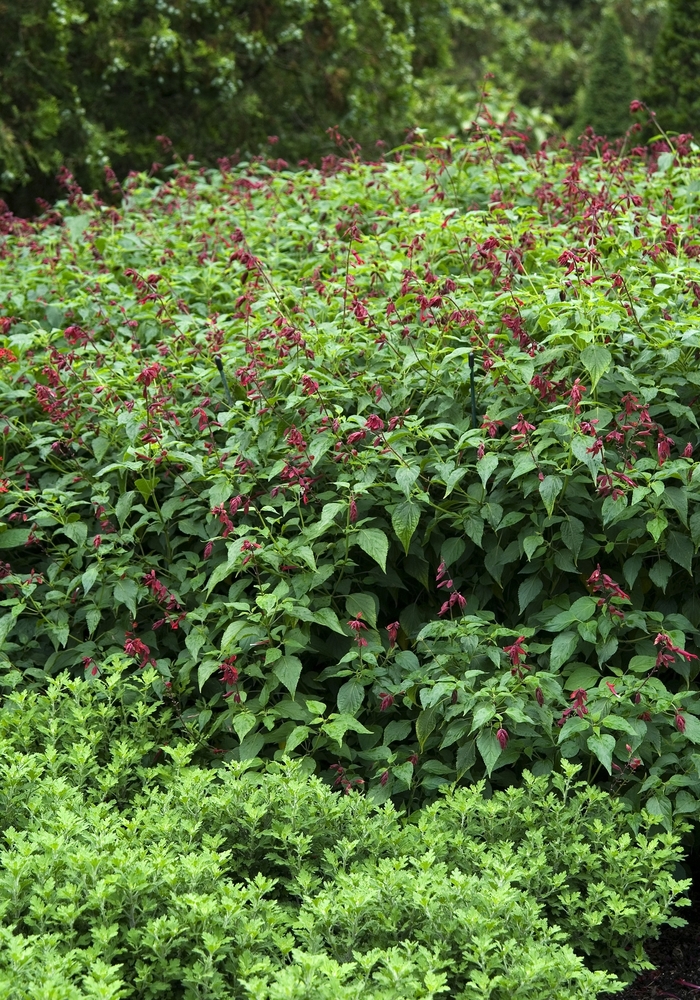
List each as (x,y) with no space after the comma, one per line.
(676,955)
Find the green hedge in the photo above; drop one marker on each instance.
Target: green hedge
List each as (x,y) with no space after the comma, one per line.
(242,882)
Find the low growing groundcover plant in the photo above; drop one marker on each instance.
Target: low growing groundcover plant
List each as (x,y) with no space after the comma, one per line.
(389,465)
(259,881)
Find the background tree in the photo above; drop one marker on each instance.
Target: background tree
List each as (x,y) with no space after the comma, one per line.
(675,88)
(610,86)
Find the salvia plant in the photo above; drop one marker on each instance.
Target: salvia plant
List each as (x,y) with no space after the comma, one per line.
(389,465)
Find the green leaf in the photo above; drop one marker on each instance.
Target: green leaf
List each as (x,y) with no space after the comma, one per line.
(452,480)
(473,528)
(486,466)
(338,727)
(406,477)
(89,577)
(602,747)
(489,748)
(692,727)
(92,618)
(14,537)
(550,488)
(404,773)
(100,447)
(572,535)
(657,525)
(7,622)
(660,573)
(194,641)
(242,723)
(375,543)
(528,590)
(563,648)
(350,696)
(582,677)
(204,672)
(396,732)
(597,361)
(660,805)
(631,569)
(123,507)
(522,464)
(76,531)
(251,746)
(364,606)
(642,664)
(404,521)
(676,497)
(680,549)
(288,670)
(466,755)
(145,487)
(531,544)
(322,616)
(125,592)
(297,736)
(425,724)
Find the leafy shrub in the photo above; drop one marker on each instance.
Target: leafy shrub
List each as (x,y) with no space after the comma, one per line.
(233,879)
(315,552)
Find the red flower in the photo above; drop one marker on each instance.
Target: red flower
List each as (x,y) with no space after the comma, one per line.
(516,652)
(522,427)
(680,723)
(688,451)
(667,652)
(229,673)
(356,624)
(393,631)
(374,422)
(663,447)
(636,106)
(309,384)
(384,778)
(138,649)
(539,696)
(502,737)
(387,700)
(149,374)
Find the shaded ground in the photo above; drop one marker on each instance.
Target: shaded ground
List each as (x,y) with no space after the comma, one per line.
(676,956)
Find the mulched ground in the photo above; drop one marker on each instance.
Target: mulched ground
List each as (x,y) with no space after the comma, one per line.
(676,956)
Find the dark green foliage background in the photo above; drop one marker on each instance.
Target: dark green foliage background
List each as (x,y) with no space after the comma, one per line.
(610,85)
(90,82)
(674,90)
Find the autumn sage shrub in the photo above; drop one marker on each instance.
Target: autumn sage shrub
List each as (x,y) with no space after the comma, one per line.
(254,880)
(387,464)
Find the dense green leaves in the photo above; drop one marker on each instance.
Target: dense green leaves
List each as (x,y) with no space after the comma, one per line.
(201,875)
(319,554)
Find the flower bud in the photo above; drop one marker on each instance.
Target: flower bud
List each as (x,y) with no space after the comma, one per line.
(502,737)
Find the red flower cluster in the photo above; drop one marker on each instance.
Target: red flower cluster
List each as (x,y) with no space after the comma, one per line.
(455,597)
(579,698)
(668,652)
(138,650)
